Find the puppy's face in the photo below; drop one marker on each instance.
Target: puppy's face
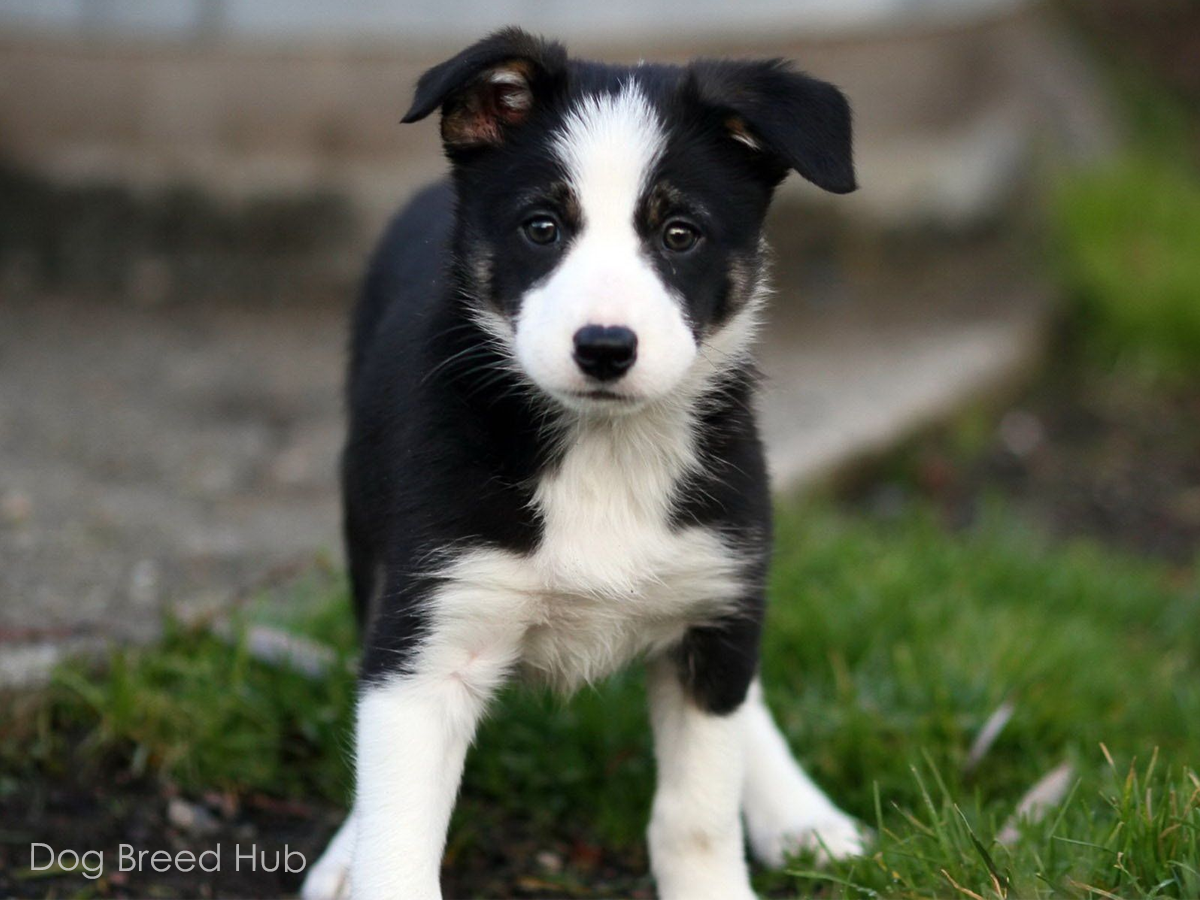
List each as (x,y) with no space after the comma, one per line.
(609,218)
(614,243)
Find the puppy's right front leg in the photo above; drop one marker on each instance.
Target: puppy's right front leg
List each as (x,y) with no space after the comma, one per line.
(412,737)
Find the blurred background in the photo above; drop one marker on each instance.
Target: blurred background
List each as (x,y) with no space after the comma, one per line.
(190,188)
(1006,312)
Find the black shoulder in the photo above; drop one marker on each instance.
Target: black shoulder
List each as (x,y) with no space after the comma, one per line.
(408,265)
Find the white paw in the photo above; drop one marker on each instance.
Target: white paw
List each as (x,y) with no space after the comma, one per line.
(832,836)
(329,879)
(710,891)
(696,886)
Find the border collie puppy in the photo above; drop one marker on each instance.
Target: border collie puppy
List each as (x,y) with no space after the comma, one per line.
(553,467)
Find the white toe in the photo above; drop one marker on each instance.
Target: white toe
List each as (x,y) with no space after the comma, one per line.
(329,877)
(327,882)
(835,836)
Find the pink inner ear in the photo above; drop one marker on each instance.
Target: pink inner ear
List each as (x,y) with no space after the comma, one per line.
(499,98)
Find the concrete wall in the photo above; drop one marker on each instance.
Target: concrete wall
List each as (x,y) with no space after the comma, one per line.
(456,21)
(945,112)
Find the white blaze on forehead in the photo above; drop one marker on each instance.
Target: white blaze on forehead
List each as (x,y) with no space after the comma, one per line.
(609,144)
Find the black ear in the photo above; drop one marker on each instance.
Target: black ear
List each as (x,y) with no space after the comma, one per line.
(803,123)
(491,85)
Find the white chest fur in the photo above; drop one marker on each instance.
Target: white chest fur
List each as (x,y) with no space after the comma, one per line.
(611,578)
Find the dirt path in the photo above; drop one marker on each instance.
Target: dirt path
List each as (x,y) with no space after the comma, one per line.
(148,454)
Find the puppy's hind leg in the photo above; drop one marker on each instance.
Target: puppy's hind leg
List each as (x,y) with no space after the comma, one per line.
(785,812)
(329,878)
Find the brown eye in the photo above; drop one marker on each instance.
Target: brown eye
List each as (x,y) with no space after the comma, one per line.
(679,237)
(541,230)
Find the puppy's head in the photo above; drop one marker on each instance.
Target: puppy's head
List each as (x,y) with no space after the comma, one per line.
(610,218)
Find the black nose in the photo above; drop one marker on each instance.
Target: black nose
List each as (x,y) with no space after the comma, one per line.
(605,352)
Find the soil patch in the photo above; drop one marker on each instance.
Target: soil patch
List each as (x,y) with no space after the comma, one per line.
(503,858)
(1079,453)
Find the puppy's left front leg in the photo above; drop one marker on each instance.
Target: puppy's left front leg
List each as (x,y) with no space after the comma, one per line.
(696,849)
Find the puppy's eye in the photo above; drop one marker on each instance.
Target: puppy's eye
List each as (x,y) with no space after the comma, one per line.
(679,237)
(541,230)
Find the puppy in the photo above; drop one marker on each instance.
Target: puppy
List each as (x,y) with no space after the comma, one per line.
(553,467)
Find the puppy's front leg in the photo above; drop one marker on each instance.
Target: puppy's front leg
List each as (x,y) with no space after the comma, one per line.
(785,811)
(695,831)
(412,738)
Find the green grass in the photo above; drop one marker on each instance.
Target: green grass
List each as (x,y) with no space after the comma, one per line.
(899,640)
(1126,235)
(199,710)
(1129,255)
(889,645)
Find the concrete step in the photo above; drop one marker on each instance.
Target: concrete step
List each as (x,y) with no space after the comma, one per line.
(856,363)
(948,109)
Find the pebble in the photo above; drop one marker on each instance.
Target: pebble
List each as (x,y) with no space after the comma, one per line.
(1021,433)
(191,818)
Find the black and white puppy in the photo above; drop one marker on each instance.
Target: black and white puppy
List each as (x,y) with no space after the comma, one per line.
(553,467)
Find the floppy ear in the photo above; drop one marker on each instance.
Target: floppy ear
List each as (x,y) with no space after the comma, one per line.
(488,87)
(797,121)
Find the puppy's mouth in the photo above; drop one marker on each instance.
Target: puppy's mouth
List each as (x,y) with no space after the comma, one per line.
(603,395)
(599,401)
